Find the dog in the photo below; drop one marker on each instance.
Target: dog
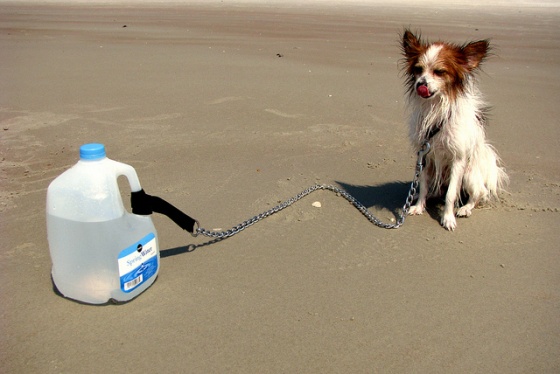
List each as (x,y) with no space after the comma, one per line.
(447,110)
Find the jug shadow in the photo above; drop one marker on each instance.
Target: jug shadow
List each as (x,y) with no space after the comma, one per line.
(187,248)
(390,196)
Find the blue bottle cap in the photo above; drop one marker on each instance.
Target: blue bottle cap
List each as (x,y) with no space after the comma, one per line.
(92,151)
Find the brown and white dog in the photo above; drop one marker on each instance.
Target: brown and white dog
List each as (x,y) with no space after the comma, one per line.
(448,111)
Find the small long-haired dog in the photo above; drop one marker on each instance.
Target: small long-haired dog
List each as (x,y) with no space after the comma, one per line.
(448,111)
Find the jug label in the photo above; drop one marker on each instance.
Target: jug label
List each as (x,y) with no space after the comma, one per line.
(138,263)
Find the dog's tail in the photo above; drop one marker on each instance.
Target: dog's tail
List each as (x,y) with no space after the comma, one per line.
(495,176)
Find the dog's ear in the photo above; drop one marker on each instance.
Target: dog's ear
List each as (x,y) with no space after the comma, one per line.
(475,53)
(411,45)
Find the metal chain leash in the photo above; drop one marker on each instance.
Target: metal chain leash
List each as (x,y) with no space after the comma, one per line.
(340,192)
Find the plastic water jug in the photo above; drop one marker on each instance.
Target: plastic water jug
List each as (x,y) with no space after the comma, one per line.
(99,251)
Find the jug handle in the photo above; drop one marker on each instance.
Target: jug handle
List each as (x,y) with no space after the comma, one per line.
(130,174)
(144,204)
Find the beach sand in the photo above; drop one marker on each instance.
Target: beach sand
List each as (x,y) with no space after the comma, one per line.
(226,108)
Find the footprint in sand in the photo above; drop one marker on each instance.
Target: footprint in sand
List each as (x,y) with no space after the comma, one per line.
(282,114)
(225,100)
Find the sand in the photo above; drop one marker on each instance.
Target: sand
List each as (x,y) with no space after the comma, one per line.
(227,108)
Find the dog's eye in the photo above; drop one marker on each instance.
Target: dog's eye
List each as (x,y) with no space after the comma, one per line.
(439,72)
(417,70)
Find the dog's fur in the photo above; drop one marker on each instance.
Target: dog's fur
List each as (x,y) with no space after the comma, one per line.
(448,111)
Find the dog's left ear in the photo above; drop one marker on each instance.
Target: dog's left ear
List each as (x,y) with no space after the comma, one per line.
(475,53)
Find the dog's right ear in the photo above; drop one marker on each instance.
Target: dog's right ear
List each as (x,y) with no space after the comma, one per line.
(411,45)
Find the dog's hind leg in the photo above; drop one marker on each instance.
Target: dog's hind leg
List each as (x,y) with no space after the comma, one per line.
(473,185)
(466,210)
(481,180)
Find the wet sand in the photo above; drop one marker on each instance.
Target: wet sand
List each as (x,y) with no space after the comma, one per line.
(227,108)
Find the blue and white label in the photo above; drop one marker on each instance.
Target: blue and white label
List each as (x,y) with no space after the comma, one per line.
(138,263)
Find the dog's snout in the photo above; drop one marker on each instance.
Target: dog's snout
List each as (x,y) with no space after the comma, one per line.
(421,82)
(422,88)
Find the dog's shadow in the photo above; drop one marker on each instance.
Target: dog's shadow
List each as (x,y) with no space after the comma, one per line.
(390,196)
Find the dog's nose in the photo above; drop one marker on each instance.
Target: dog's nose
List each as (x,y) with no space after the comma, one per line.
(421,82)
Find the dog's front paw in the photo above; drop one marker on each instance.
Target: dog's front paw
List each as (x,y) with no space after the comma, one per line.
(449,222)
(416,209)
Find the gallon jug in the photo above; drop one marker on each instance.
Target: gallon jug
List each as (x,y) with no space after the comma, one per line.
(99,251)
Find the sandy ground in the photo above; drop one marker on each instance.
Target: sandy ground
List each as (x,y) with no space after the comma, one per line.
(226,108)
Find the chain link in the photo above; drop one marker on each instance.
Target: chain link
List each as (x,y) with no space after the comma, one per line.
(340,192)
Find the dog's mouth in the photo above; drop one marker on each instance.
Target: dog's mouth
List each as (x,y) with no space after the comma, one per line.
(423,91)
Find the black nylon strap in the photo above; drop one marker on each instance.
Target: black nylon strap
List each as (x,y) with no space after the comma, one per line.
(433,131)
(144,204)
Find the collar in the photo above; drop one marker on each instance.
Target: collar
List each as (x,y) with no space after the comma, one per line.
(433,131)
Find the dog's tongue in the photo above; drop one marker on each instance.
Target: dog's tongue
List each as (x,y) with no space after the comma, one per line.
(423,91)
